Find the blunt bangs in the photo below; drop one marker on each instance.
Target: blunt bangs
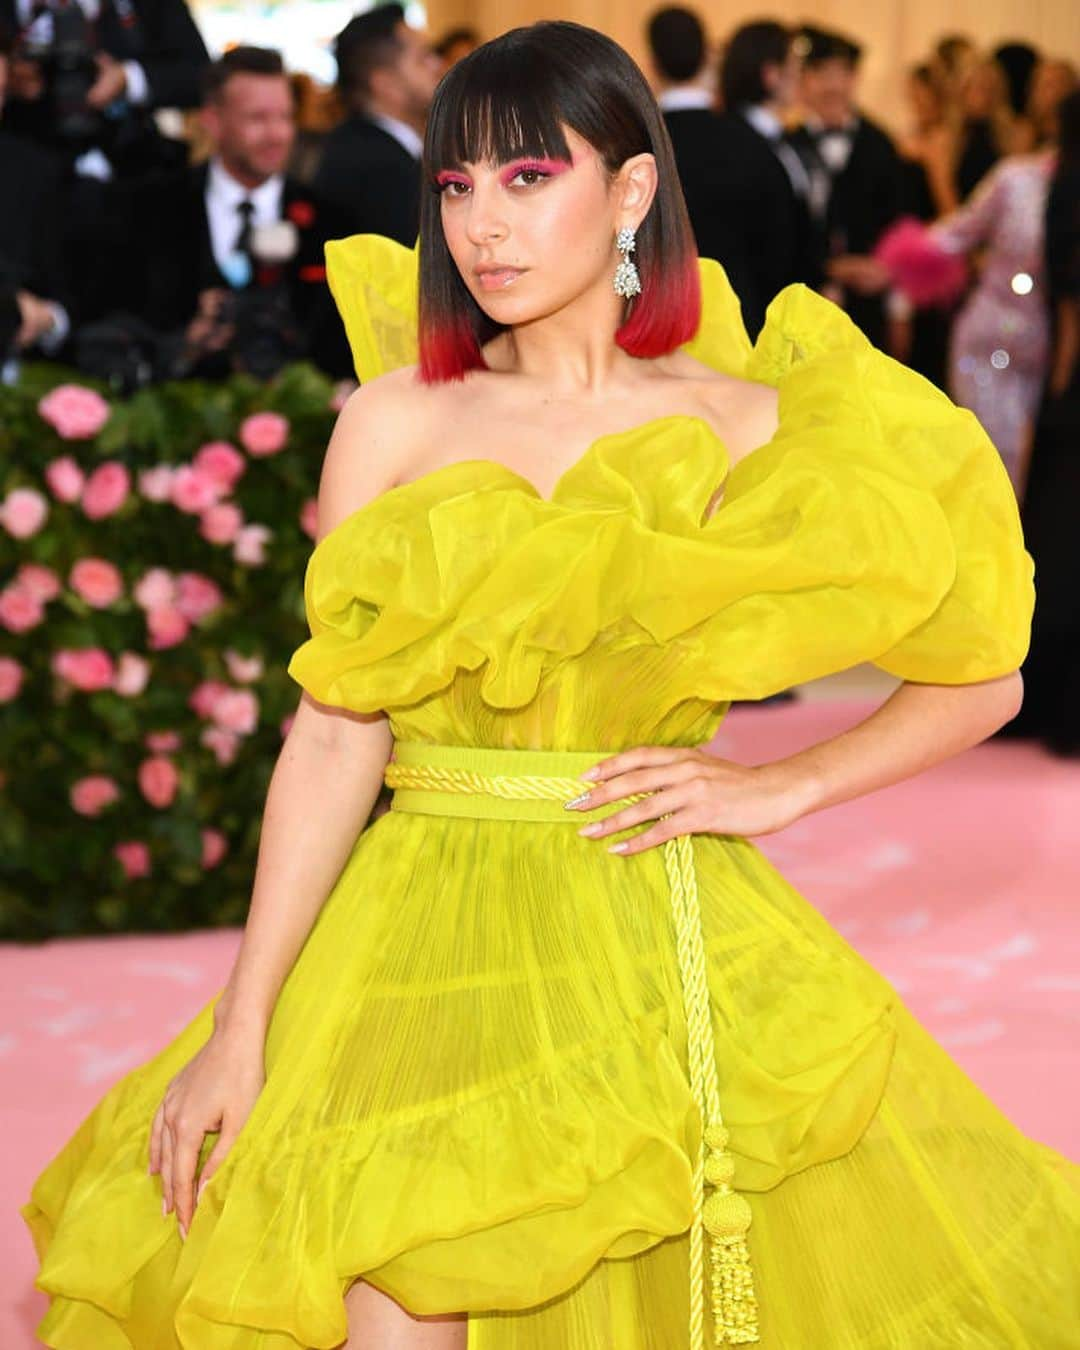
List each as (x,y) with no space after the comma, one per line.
(498,110)
(512,98)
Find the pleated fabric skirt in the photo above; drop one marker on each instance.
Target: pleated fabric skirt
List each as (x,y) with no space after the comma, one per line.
(478,1099)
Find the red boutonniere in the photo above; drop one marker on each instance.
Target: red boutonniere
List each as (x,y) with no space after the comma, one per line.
(302,214)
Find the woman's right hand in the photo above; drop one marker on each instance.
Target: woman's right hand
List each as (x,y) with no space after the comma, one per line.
(215,1090)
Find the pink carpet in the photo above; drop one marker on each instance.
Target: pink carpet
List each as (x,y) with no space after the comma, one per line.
(959,886)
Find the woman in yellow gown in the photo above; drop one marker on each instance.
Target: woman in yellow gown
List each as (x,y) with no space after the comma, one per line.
(476,1078)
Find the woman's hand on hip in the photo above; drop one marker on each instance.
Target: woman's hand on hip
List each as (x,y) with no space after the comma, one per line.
(690,792)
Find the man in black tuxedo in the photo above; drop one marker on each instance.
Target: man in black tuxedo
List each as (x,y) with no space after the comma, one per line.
(855,172)
(34,304)
(370,170)
(742,204)
(232,250)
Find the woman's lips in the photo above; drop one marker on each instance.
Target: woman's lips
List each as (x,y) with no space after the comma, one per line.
(499,278)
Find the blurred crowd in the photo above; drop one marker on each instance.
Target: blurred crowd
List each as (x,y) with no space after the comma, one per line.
(164,215)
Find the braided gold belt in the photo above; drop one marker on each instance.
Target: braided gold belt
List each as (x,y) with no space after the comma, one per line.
(534,785)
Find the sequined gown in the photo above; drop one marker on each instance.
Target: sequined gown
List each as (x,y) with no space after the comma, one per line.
(1001,336)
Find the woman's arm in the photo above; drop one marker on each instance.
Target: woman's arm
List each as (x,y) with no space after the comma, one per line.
(321,793)
(330,768)
(917,727)
(699,793)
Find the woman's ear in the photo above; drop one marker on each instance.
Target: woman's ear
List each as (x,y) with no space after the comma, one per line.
(636,184)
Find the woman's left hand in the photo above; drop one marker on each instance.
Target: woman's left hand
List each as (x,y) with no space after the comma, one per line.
(695,792)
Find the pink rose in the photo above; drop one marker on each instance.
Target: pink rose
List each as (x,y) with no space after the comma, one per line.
(74,411)
(20,609)
(134,858)
(162,742)
(23,512)
(237,710)
(244,669)
(223,743)
(264,433)
(155,589)
(221,524)
(106,490)
(97,582)
(156,484)
(65,479)
(286,724)
(203,698)
(214,847)
(197,596)
(158,780)
(11,678)
(166,626)
(222,462)
(193,490)
(90,796)
(87,668)
(340,396)
(249,546)
(132,675)
(309,517)
(40,581)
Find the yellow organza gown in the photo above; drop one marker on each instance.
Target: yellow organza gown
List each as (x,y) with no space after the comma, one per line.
(479,1069)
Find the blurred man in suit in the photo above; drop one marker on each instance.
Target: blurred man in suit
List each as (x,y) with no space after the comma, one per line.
(743,207)
(34,311)
(233,249)
(855,172)
(86,77)
(387,73)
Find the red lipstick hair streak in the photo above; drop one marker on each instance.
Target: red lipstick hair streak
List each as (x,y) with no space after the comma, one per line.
(667,312)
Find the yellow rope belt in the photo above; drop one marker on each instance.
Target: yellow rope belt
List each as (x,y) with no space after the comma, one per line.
(533,785)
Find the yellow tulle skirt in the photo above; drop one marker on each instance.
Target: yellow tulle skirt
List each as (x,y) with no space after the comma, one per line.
(477,1099)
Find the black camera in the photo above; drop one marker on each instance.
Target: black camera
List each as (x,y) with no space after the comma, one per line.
(69,71)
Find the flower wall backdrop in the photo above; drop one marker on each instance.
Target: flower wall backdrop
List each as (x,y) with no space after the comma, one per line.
(152,555)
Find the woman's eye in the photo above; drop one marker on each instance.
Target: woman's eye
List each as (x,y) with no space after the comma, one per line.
(530,176)
(454,186)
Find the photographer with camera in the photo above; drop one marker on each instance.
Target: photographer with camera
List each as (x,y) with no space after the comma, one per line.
(232,251)
(33,290)
(87,74)
(86,77)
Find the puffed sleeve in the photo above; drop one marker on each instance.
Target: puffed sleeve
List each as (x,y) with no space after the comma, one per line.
(915,438)
(374,283)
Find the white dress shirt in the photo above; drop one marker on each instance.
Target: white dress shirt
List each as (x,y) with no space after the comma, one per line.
(224,194)
(406,136)
(683,96)
(766,123)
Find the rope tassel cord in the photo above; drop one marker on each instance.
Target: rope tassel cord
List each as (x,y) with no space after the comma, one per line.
(723,1214)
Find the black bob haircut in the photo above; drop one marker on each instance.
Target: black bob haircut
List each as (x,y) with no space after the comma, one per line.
(511,98)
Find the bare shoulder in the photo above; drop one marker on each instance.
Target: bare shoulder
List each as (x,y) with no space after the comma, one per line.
(378,432)
(745,413)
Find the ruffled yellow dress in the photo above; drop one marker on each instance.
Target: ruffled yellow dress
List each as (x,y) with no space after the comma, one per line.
(493,1067)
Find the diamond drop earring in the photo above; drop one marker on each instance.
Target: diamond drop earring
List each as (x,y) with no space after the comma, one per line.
(627,280)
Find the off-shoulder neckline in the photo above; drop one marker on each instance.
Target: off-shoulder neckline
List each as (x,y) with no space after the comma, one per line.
(525,484)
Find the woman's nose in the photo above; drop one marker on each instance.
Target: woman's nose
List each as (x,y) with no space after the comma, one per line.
(486,222)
